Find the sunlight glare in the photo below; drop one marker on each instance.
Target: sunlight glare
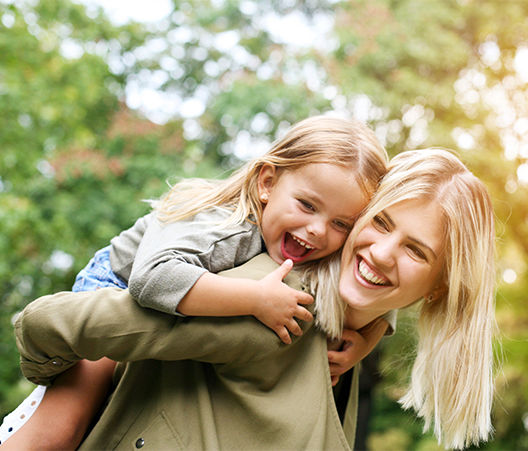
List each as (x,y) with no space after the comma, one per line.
(521,63)
(122,11)
(522,173)
(509,276)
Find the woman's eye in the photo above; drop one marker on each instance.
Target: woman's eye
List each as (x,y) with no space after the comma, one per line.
(380,223)
(306,205)
(417,252)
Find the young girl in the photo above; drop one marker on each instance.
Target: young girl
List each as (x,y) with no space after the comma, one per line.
(297,202)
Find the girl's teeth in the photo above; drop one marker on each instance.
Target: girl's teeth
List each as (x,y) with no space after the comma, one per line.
(368,275)
(302,243)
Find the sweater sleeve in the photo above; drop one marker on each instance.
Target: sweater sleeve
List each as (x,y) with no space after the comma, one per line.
(172,257)
(123,247)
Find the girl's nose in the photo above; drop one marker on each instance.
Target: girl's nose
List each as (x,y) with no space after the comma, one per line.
(316,227)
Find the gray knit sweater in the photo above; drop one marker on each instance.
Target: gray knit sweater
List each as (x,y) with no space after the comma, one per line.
(161,262)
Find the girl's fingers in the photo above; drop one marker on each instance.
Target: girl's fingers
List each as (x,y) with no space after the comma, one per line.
(284,335)
(305,298)
(294,328)
(284,268)
(303,314)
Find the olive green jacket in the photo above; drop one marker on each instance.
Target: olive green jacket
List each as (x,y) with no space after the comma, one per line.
(239,387)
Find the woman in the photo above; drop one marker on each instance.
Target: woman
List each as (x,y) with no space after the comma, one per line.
(427,234)
(439,203)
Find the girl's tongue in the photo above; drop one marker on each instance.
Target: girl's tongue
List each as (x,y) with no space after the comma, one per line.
(294,250)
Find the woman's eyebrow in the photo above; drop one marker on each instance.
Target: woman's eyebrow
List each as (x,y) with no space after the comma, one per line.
(421,243)
(413,239)
(388,218)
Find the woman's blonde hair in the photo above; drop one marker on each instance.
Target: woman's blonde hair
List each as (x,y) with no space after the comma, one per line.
(318,139)
(452,381)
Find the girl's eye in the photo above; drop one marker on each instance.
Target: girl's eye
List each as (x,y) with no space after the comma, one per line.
(344,226)
(380,223)
(306,205)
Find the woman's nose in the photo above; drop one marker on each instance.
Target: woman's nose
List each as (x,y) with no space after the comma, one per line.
(383,251)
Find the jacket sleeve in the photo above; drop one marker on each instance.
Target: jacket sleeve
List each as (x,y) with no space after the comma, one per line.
(56,331)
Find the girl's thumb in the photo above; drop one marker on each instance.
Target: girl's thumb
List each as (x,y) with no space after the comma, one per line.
(285,268)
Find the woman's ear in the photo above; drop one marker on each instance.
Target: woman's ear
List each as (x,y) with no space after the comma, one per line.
(266,180)
(436,293)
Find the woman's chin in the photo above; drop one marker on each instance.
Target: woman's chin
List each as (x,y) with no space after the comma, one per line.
(355,297)
(350,295)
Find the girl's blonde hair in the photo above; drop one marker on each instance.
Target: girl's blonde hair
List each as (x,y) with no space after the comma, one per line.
(452,381)
(319,139)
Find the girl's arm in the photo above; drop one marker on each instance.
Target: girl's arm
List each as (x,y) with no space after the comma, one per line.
(177,263)
(172,257)
(270,300)
(67,409)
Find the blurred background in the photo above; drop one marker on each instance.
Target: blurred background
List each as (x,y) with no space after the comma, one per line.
(100,106)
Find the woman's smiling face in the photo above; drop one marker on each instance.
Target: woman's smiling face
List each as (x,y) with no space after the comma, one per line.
(395,259)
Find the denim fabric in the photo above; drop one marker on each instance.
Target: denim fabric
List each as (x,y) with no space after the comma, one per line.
(98,273)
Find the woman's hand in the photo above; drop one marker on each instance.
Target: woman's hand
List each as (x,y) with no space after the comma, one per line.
(355,345)
(280,305)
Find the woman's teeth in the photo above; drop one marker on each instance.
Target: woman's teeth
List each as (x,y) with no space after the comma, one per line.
(365,272)
(302,243)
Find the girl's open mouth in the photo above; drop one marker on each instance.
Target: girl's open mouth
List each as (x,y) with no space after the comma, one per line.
(295,249)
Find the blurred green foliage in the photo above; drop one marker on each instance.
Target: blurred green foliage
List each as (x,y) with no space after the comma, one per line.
(76,162)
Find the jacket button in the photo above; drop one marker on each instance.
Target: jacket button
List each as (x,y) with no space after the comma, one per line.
(139,443)
(56,363)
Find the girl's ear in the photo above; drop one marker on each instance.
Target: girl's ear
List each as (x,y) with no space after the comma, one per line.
(265,182)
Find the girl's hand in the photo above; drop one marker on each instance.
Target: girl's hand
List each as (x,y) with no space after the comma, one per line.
(279,304)
(355,346)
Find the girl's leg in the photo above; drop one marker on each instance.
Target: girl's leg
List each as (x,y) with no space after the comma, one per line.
(57,403)
(66,410)
(98,274)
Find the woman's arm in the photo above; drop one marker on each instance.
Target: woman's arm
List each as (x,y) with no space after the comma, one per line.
(354,346)
(67,409)
(56,331)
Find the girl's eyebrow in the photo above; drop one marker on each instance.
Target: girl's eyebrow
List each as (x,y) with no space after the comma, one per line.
(309,191)
(310,194)
(413,239)
(313,196)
